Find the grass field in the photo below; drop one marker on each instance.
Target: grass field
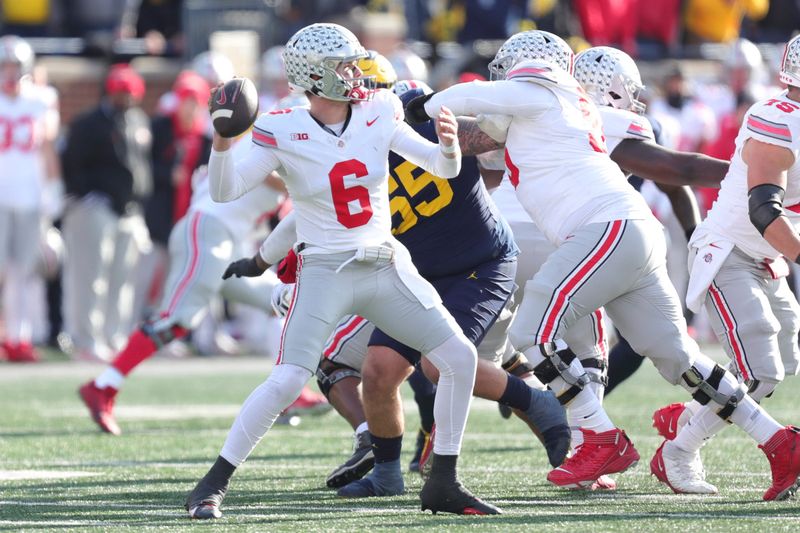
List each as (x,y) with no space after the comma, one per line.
(57,472)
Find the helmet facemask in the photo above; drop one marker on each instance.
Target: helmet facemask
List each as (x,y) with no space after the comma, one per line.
(317,60)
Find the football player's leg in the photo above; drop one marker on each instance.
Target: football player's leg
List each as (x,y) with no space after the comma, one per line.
(623,361)
(597,264)
(338,377)
(383,372)
(193,279)
(651,320)
(120,297)
(414,318)
(424,396)
(85,229)
(321,297)
(20,270)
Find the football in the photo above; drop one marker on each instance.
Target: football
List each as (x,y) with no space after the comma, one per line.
(234,107)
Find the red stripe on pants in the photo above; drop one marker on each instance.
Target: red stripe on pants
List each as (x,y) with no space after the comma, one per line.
(551,318)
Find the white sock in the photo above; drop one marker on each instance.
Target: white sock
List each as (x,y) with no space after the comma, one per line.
(456,360)
(362,427)
(111,377)
(574,415)
(585,411)
(260,410)
(748,415)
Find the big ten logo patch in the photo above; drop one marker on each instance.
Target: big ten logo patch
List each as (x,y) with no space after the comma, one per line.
(299,136)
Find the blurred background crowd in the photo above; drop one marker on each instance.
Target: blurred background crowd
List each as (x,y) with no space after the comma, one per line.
(123,85)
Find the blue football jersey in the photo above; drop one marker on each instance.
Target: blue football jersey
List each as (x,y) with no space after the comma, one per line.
(449,226)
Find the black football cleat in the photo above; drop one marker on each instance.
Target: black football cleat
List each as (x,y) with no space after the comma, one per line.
(547,418)
(439,496)
(204,502)
(358,466)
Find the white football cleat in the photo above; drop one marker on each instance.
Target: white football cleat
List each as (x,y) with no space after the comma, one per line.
(680,470)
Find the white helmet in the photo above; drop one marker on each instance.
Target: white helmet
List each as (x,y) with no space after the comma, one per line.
(312,56)
(532,45)
(790,63)
(403,86)
(743,53)
(213,67)
(610,77)
(15,49)
(408,65)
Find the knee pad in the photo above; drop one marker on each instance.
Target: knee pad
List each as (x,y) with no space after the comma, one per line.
(599,364)
(559,364)
(163,335)
(330,373)
(518,365)
(707,390)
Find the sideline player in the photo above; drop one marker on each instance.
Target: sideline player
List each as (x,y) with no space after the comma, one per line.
(333,156)
(738,271)
(200,245)
(27,159)
(610,252)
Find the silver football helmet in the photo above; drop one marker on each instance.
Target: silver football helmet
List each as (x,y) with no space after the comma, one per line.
(533,45)
(214,67)
(15,49)
(610,77)
(312,57)
(790,63)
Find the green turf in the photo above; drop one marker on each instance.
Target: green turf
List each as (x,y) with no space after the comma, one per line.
(176,414)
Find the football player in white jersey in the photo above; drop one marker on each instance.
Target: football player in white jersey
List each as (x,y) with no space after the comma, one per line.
(333,156)
(200,246)
(738,268)
(28,126)
(610,252)
(612,80)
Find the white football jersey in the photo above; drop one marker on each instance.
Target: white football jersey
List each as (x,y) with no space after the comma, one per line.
(618,125)
(338,183)
(774,121)
(241,215)
(23,122)
(555,153)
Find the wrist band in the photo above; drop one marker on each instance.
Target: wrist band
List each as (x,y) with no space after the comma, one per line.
(453,148)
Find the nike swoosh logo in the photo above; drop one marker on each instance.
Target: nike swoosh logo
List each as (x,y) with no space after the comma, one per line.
(715,246)
(623,450)
(222,98)
(671,428)
(371,122)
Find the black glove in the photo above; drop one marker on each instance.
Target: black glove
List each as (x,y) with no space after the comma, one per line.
(247,267)
(415,110)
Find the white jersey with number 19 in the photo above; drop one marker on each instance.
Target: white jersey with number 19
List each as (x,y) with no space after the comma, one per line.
(556,156)
(338,183)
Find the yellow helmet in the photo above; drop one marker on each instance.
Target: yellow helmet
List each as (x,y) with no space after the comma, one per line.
(378,66)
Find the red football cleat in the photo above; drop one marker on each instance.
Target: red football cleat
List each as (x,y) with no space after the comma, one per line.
(308,403)
(100,403)
(603,453)
(665,420)
(22,352)
(783,452)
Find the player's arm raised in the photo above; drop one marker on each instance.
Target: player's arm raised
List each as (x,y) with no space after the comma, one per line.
(766,184)
(664,166)
(229,180)
(443,159)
